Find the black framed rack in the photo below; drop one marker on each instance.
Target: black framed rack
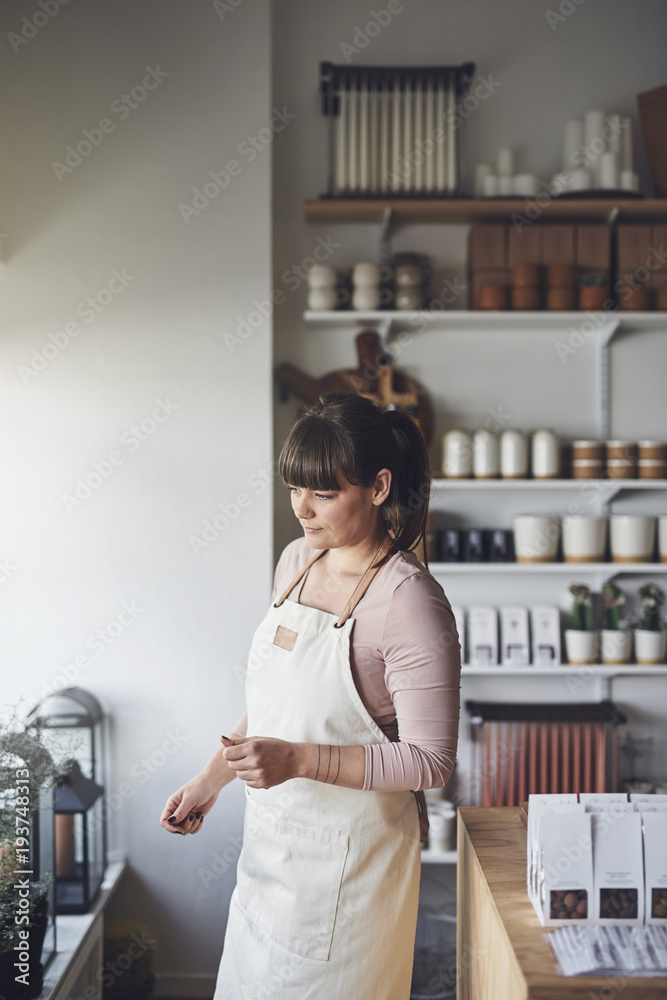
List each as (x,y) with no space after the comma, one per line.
(394,129)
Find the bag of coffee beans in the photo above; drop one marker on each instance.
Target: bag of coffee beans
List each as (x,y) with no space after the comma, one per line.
(565,867)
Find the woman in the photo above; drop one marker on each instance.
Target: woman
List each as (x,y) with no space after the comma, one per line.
(346,719)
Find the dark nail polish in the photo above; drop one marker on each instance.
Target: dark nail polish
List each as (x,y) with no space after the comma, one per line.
(199,815)
(172,819)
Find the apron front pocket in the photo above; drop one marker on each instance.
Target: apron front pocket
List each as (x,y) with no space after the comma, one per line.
(288,881)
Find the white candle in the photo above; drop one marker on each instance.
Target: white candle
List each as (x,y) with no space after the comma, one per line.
(396,137)
(490,186)
(353,143)
(374,141)
(505,163)
(525,185)
(408,140)
(573,142)
(341,143)
(595,144)
(441,118)
(505,184)
(452,168)
(629,181)
(581,180)
(627,159)
(429,175)
(363,137)
(385,140)
(614,132)
(482,170)
(609,170)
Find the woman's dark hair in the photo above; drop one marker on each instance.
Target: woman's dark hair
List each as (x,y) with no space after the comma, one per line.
(351,436)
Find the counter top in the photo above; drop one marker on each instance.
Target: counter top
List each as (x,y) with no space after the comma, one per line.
(500,939)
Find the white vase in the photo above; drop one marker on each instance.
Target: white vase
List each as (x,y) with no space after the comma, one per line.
(536,538)
(584,538)
(581,646)
(616,645)
(650,646)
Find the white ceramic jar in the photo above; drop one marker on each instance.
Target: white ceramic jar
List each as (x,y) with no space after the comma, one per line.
(545,454)
(485,454)
(322,276)
(513,454)
(457,454)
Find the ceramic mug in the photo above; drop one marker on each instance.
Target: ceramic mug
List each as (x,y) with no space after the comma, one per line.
(632,537)
(322,276)
(367,273)
(369,297)
(584,538)
(323,299)
(536,538)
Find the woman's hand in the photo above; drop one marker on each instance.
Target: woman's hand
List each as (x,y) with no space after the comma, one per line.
(262,761)
(185,810)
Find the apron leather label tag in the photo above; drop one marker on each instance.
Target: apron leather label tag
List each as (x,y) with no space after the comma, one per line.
(285,638)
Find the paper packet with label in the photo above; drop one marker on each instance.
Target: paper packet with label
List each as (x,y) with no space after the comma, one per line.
(565,867)
(654,828)
(537,803)
(618,871)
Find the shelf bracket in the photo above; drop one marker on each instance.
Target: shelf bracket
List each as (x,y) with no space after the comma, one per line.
(605,335)
(385,236)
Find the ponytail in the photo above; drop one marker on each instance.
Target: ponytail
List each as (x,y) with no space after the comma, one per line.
(351,435)
(406,507)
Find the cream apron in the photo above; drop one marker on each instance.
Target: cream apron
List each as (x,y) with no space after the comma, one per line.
(326,899)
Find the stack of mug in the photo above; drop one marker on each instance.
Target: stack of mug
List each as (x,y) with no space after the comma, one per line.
(323,291)
(367,293)
(619,459)
(411,276)
(537,538)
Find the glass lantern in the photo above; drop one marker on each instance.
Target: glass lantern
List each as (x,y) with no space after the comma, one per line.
(72,726)
(80,854)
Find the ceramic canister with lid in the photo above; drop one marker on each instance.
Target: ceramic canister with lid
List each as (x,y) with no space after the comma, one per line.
(457,454)
(587,459)
(652,460)
(513,454)
(485,455)
(621,459)
(545,455)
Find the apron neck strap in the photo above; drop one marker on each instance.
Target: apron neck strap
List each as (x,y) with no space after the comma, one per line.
(371,572)
(298,577)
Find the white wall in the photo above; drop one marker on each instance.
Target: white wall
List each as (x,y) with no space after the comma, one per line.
(75,564)
(602,55)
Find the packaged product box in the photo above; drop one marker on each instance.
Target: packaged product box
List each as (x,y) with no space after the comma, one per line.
(459,618)
(514,636)
(565,874)
(545,632)
(618,869)
(537,804)
(651,797)
(654,829)
(482,635)
(649,807)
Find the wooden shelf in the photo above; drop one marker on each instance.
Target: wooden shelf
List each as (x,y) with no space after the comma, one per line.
(463,211)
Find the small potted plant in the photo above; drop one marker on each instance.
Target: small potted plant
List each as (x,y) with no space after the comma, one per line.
(616,639)
(635,295)
(593,290)
(581,641)
(650,637)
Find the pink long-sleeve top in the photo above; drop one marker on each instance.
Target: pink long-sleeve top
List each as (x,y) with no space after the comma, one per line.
(406,663)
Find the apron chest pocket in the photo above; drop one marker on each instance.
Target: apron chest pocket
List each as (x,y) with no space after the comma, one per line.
(288,881)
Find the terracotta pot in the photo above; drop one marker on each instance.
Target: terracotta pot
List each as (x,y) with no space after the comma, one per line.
(492,297)
(561,298)
(526,275)
(561,275)
(634,299)
(524,297)
(593,296)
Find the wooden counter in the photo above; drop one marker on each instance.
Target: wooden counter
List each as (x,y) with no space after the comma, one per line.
(501,950)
